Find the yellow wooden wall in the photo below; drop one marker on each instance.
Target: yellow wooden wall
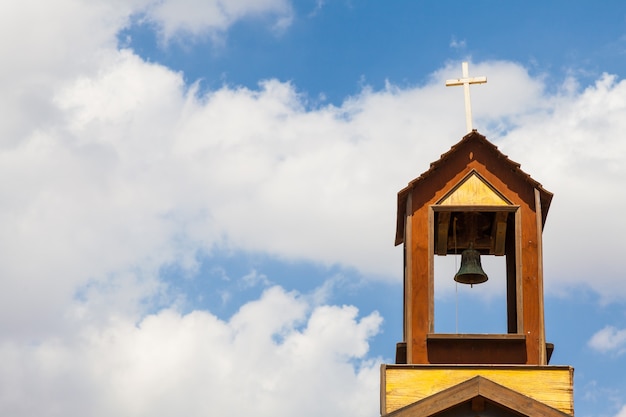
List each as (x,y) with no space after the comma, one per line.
(402,385)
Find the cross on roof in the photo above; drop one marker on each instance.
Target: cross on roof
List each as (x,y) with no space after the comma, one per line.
(465,82)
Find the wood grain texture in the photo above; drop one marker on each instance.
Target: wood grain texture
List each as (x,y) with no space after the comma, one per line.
(542,334)
(404,385)
(473,190)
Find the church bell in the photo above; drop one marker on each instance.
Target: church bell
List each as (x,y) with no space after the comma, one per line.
(470,272)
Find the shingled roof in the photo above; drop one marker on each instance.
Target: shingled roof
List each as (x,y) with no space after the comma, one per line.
(545,196)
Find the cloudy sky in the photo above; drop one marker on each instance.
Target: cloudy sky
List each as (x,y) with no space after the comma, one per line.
(198,197)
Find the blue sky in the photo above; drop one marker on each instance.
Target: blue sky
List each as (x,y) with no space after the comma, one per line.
(198,197)
(335,48)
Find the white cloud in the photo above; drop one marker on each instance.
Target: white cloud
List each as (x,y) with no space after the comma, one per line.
(609,339)
(574,149)
(254,278)
(43,45)
(457,44)
(213,17)
(275,357)
(622,412)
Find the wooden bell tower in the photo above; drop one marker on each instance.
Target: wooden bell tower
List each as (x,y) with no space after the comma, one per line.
(474,196)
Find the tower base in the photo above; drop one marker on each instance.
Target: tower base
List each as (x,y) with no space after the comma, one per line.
(510,386)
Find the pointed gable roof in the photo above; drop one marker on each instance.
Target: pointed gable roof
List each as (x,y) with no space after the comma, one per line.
(472,139)
(478,388)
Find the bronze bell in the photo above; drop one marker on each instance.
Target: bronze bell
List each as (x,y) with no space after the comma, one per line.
(470,272)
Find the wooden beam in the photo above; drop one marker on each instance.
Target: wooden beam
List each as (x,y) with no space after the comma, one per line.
(499,232)
(487,349)
(542,331)
(408,279)
(478,404)
(519,293)
(431,271)
(443,225)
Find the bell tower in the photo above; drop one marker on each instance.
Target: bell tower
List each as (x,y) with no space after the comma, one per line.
(474,201)
(477,202)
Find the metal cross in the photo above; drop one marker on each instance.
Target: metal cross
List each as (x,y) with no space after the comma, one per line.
(465,82)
